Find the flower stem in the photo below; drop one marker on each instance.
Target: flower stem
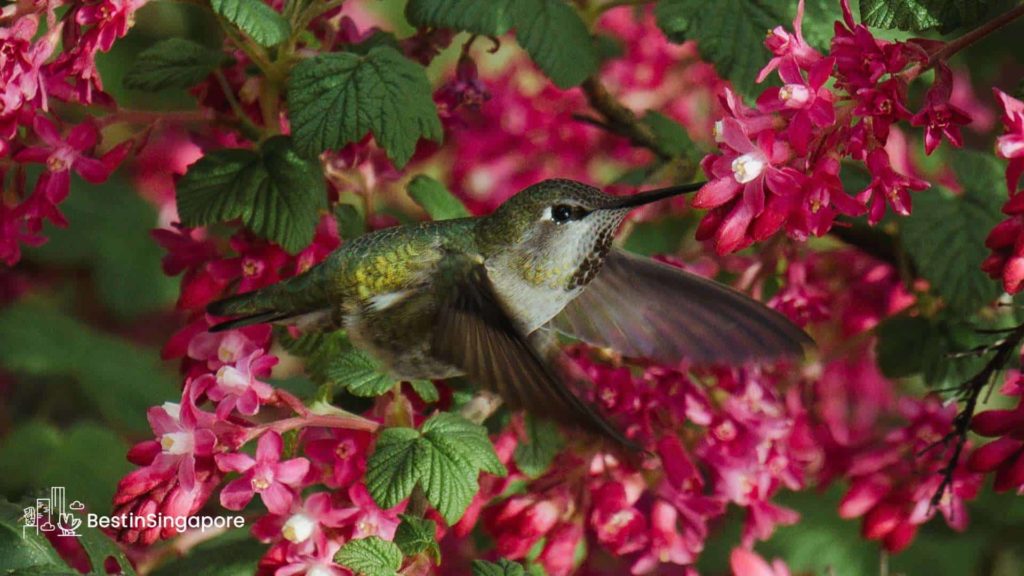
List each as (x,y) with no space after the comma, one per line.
(249,129)
(958,44)
(312,421)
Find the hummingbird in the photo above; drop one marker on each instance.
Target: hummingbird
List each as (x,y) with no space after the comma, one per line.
(486,298)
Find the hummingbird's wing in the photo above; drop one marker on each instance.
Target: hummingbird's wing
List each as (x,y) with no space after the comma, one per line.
(474,332)
(644,308)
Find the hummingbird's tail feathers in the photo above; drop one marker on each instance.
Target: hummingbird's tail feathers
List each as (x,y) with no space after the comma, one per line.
(263,318)
(474,332)
(298,300)
(643,308)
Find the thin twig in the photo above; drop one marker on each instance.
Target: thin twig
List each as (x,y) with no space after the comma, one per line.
(958,44)
(618,119)
(971,392)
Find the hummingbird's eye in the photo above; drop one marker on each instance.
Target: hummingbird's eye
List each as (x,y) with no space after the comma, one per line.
(564,212)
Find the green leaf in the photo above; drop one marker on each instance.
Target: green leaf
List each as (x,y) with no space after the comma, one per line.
(234,553)
(435,199)
(336,99)
(351,223)
(672,136)
(86,459)
(543,443)
(502,567)
(899,344)
(23,550)
(370,557)
(444,458)
(109,233)
(729,33)
(555,37)
(258,20)
(121,379)
(483,17)
(359,373)
(945,234)
(172,63)
(276,193)
(415,535)
(919,15)
(550,31)
(426,390)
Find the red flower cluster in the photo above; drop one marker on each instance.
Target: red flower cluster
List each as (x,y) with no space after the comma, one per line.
(1004,456)
(778,165)
(1006,240)
(31,76)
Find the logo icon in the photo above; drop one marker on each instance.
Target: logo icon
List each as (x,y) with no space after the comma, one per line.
(53,514)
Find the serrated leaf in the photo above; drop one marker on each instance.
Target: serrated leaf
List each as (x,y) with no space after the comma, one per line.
(426,390)
(276,193)
(945,234)
(258,20)
(443,458)
(415,535)
(359,373)
(370,556)
(919,15)
(24,550)
(502,567)
(435,199)
(484,17)
(391,471)
(172,63)
(550,31)
(729,33)
(555,37)
(336,99)
(543,442)
(470,439)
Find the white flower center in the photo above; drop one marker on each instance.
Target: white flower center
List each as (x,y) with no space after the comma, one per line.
(173,409)
(177,443)
(748,167)
(232,379)
(794,95)
(298,528)
(320,570)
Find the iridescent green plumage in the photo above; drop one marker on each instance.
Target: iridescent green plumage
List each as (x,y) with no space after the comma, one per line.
(474,296)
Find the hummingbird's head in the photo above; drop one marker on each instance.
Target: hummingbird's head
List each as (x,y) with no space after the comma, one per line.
(556,233)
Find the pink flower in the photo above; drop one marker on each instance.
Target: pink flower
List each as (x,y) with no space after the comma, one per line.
(887,186)
(304,525)
(789,47)
(1005,455)
(62,156)
(740,178)
(318,563)
(1011,144)
(666,544)
(939,116)
(265,475)
(522,520)
(368,519)
(746,563)
(110,20)
(220,349)
(237,387)
(338,455)
(807,103)
(619,526)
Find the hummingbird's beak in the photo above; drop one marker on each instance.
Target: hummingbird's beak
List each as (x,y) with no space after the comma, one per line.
(649,196)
